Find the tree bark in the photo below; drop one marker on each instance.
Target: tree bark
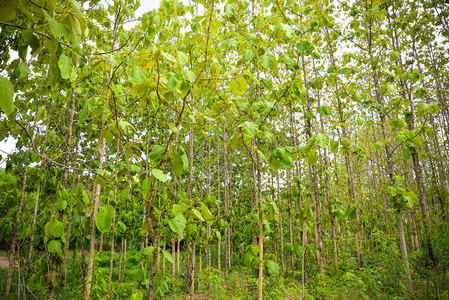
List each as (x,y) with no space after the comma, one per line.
(14,245)
(93,227)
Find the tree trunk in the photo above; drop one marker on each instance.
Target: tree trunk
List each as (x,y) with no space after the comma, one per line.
(93,227)
(226,201)
(281,231)
(303,260)
(218,209)
(122,251)
(36,205)
(260,225)
(208,227)
(14,245)
(65,175)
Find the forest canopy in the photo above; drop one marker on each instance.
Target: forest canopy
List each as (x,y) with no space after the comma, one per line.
(224,149)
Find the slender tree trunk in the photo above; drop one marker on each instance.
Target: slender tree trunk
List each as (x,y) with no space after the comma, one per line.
(173,254)
(290,207)
(313,183)
(178,252)
(405,91)
(281,232)
(64,179)
(303,260)
(402,244)
(218,212)
(347,156)
(69,221)
(260,225)
(93,227)
(192,272)
(14,241)
(122,250)
(189,195)
(226,200)
(208,227)
(36,202)
(111,258)
(200,257)
(36,205)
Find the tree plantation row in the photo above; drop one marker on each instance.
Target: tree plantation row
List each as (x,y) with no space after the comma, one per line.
(225,149)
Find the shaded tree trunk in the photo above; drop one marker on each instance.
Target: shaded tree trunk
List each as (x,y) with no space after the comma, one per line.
(14,242)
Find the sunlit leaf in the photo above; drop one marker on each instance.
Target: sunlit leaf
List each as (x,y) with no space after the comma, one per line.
(249,128)
(57,29)
(159,174)
(267,61)
(104,219)
(66,68)
(6,96)
(178,223)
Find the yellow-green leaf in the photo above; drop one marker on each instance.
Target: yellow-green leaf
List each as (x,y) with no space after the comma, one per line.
(159,174)
(57,29)
(6,96)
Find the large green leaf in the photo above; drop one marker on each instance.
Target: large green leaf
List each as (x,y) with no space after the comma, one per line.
(146,184)
(248,55)
(177,167)
(311,157)
(21,71)
(322,140)
(304,45)
(273,268)
(189,75)
(232,42)
(121,227)
(56,229)
(57,29)
(8,10)
(206,213)
(182,58)
(197,214)
(137,295)
(55,246)
(288,61)
(250,129)
(180,162)
(61,204)
(167,256)
(229,9)
(267,61)
(159,174)
(137,75)
(148,250)
(178,223)
(156,153)
(431,107)
(66,67)
(378,145)
(104,219)
(238,85)
(410,199)
(6,96)
(284,156)
(288,30)
(173,81)
(398,123)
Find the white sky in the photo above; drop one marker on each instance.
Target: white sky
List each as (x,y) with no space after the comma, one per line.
(8,145)
(147,5)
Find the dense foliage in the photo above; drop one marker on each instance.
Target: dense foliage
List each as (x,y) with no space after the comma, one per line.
(234,149)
